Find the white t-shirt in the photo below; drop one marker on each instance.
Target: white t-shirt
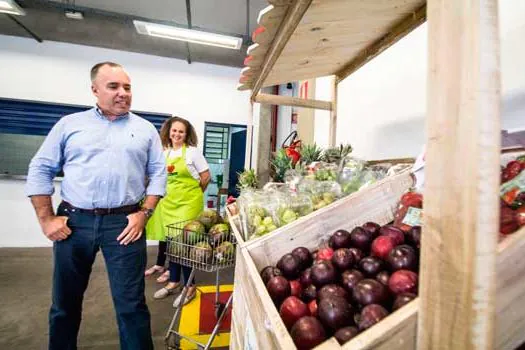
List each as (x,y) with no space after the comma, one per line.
(195,161)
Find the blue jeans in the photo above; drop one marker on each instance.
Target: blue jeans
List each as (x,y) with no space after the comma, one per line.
(73,260)
(175,272)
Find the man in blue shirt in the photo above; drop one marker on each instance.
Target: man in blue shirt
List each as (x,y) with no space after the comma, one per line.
(111,159)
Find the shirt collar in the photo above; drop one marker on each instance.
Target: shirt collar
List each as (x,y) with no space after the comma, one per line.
(99,113)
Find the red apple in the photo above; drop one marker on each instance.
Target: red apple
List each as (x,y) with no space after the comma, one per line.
(403,281)
(382,245)
(325,254)
(291,310)
(394,232)
(312,306)
(296,288)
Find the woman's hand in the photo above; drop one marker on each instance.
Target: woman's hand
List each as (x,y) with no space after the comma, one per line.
(205,179)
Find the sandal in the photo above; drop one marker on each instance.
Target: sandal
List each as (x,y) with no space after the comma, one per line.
(154,269)
(164,277)
(189,297)
(165,292)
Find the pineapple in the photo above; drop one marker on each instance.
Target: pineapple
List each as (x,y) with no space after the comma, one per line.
(310,153)
(280,163)
(247,179)
(335,154)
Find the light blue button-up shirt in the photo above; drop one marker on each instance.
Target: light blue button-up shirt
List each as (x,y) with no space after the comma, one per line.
(105,163)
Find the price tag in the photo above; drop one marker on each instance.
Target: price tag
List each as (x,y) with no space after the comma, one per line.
(413,217)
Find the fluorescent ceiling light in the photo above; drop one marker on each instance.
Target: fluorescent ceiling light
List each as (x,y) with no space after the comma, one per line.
(11,7)
(189,35)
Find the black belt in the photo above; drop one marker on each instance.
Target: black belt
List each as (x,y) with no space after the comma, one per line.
(126,209)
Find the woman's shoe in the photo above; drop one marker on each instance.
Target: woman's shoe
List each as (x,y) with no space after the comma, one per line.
(164,277)
(165,292)
(154,269)
(189,297)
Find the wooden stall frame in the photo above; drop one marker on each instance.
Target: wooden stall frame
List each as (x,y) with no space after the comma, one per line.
(471,289)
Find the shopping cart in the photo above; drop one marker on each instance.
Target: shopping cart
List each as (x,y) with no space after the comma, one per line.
(188,245)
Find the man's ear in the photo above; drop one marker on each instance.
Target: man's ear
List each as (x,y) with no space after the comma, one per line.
(94,89)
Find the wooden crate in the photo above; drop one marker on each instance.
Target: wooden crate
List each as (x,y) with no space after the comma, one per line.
(262,326)
(253,305)
(398,331)
(336,211)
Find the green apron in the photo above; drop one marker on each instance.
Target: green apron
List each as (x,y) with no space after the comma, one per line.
(183,199)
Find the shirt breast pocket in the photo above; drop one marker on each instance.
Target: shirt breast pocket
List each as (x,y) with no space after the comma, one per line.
(135,143)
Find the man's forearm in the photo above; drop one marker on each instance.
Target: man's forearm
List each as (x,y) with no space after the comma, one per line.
(150,202)
(43,207)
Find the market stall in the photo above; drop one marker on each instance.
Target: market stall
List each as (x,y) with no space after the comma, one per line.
(470,285)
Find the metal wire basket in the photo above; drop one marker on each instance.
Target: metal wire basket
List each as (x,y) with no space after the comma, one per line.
(188,244)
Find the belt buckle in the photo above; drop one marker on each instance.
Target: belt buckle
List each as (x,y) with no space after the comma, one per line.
(99,211)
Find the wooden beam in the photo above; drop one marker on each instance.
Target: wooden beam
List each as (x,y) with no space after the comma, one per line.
(333,115)
(461,221)
(290,22)
(405,26)
(292,101)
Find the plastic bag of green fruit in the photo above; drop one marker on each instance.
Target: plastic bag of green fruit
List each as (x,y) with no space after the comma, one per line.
(258,212)
(321,193)
(350,174)
(321,171)
(293,206)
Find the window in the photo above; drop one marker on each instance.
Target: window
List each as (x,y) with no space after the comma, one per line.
(25,124)
(216,142)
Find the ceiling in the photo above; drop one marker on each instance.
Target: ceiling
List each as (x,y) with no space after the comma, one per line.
(108,24)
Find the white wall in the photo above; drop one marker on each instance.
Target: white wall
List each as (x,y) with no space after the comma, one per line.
(382,106)
(59,72)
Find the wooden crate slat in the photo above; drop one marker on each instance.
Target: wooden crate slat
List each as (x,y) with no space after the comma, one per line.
(376,203)
(510,291)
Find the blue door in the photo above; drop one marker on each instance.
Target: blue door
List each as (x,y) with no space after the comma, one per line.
(237,154)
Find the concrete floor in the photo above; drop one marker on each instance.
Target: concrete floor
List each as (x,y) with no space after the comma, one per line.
(25,294)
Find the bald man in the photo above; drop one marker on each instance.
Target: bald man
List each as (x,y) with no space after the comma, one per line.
(106,153)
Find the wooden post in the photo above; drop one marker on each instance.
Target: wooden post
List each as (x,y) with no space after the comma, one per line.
(333,114)
(461,205)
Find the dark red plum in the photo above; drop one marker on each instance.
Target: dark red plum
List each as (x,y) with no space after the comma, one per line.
(350,278)
(371,266)
(343,259)
(335,312)
(340,239)
(370,315)
(369,291)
